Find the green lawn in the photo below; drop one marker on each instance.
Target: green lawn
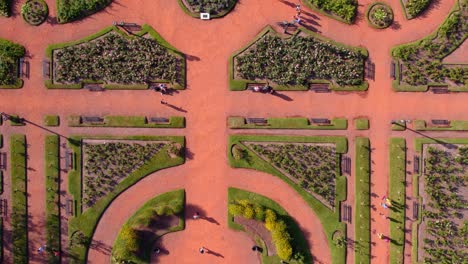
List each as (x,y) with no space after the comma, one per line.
(19,203)
(128,121)
(51,120)
(455,125)
(288,123)
(361,123)
(397,195)
(362,202)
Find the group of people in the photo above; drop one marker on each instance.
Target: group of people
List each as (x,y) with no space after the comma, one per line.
(162,88)
(297,17)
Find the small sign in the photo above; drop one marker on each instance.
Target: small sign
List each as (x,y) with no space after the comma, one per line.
(205,16)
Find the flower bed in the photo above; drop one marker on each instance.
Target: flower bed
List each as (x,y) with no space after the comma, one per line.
(216,8)
(35,12)
(342,10)
(5,8)
(443,187)
(294,62)
(9,55)
(421,61)
(71,10)
(413,8)
(115,59)
(379,15)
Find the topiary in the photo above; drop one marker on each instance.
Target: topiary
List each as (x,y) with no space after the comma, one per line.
(249,212)
(236,209)
(259,212)
(238,153)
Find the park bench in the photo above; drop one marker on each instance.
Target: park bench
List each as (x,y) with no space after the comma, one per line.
(92,119)
(257,121)
(346,214)
(319,87)
(94,87)
(46,68)
(69,206)
(370,70)
(23,68)
(392,70)
(346,164)
(3,207)
(159,120)
(416,164)
(68,159)
(440,122)
(320,121)
(415,210)
(439,89)
(3,161)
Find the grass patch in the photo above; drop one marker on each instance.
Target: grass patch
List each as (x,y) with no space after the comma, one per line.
(362,202)
(15,120)
(19,200)
(52,120)
(170,203)
(128,121)
(328,218)
(52,162)
(288,123)
(361,123)
(398,126)
(298,242)
(85,222)
(455,125)
(397,194)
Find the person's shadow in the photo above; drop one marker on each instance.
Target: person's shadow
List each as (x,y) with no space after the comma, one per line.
(214,253)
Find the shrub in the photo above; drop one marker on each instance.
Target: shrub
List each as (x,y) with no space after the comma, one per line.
(416,7)
(34,12)
(9,54)
(259,212)
(5,7)
(344,9)
(238,153)
(210,6)
(249,212)
(70,10)
(236,209)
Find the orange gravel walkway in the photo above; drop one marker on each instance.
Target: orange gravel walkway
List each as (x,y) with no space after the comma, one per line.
(208,101)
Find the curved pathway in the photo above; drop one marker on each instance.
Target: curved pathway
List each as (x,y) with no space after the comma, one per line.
(206,176)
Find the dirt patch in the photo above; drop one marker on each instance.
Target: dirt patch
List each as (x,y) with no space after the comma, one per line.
(258,228)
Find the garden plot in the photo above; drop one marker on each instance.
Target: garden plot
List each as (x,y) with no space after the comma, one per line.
(443,232)
(107,162)
(214,7)
(312,166)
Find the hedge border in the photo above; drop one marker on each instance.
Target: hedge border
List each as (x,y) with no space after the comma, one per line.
(128,121)
(329,219)
(293,228)
(145,29)
(368,13)
(287,123)
(86,222)
(197,15)
(241,84)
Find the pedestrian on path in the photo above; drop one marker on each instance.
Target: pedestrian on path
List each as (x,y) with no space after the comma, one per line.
(157,251)
(384,205)
(163,102)
(202,250)
(196,216)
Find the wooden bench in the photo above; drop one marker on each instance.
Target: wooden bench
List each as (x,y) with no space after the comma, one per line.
(159,120)
(68,159)
(46,68)
(3,161)
(69,206)
(439,89)
(21,67)
(320,121)
(319,87)
(257,121)
(416,164)
(92,119)
(440,122)
(94,87)
(415,210)
(392,70)
(346,164)
(346,214)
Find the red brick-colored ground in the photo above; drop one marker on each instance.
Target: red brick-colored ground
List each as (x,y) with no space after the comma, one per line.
(207,100)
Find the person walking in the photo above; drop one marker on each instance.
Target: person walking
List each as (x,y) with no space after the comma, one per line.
(196,216)
(202,250)
(163,102)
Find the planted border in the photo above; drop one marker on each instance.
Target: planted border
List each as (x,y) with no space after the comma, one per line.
(145,30)
(69,10)
(362,202)
(328,218)
(241,84)
(373,23)
(298,241)
(361,123)
(455,125)
(220,14)
(85,222)
(414,8)
(52,162)
(288,123)
(397,195)
(343,11)
(10,53)
(128,121)
(19,199)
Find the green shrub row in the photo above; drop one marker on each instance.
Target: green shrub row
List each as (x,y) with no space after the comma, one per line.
(342,10)
(9,54)
(416,7)
(288,123)
(133,244)
(128,121)
(5,7)
(362,202)
(52,162)
(397,195)
(83,224)
(71,10)
(19,207)
(455,125)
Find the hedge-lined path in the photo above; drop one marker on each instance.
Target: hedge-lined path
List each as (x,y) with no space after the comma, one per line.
(208,100)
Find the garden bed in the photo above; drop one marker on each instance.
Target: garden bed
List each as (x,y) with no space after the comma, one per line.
(328,218)
(379,15)
(70,10)
(157,217)
(454,125)
(442,186)
(5,7)
(10,53)
(116,60)
(419,65)
(128,121)
(344,10)
(35,12)
(281,62)
(414,8)
(216,8)
(288,123)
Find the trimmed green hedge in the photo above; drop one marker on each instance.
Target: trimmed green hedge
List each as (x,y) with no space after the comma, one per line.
(145,30)
(10,53)
(85,222)
(5,8)
(288,123)
(455,125)
(213,14)
(397,195)
(414,8)
(362,202)
(52,162)
(341,10)
(299,244)
(128,121)
(51,120)
(236,84)
(19,198)
(361,123)
(71,10)
(328,218)
(170,203)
